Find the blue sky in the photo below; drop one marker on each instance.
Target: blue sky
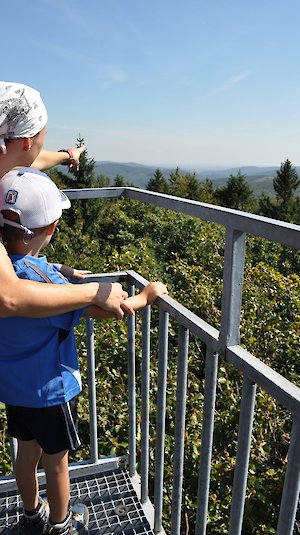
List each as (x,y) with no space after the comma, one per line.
(166,82)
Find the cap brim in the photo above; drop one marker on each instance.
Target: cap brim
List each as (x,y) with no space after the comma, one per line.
(65,201)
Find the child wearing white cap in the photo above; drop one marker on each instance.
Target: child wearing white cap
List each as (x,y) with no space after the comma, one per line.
(40,378)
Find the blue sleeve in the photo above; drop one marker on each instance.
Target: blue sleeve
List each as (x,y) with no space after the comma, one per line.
(51,271)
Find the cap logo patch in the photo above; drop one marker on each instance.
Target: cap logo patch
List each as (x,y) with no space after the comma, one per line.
(11,196)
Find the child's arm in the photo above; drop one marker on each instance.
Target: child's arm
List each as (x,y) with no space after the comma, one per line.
(67,271)
(19,297)
(145,297)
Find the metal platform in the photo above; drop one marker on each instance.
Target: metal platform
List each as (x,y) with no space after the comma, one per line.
(114,507)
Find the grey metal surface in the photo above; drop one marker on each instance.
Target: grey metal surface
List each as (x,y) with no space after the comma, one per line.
(145,402)
(211,370)
(182,368)
(291,489)
(271,229)
(113,505)
(160,419)
(131,387)
(92,389)
(233,274)
(242,457)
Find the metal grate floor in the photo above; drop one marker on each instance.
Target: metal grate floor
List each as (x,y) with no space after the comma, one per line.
(113,505)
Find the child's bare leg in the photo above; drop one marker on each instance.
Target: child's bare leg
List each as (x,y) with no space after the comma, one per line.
(28,456)
(58,484)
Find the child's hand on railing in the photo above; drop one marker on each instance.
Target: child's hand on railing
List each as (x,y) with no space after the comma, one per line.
(154,290)
(67,271)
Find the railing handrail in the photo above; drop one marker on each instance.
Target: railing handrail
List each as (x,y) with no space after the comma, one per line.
(286,392)
(271,229)
(237,225)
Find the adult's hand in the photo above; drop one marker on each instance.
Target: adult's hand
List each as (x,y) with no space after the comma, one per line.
(76,152)
(111,296)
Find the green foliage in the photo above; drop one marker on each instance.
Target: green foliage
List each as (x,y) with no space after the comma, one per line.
(236,193)
(158,183)
(286,205)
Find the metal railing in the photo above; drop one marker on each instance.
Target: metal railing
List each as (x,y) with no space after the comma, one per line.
(222,344)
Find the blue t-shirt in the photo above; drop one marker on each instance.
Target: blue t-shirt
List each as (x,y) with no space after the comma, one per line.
(38,357)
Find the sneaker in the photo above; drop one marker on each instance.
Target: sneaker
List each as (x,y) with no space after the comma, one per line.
(35,524)
(75,524)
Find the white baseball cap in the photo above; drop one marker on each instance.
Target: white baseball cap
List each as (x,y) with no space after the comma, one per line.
(33,196)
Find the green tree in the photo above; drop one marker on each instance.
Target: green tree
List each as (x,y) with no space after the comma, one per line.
(184,185)
(206,192)
(119,181)
(192,186)
(103,181)
(286,204)
(85,174)
(177,184)
(84,214)
(157,182)
(236,193)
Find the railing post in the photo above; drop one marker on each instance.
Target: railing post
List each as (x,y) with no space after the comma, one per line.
(232,288)
(291,488)
(182,368)
(145,402)
(92,388)
(242,457)
(160,419)
(13,445)
(131,389)
(210,385)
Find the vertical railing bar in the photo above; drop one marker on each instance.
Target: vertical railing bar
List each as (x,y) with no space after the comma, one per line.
(182,368)
(131,388)
(13,445)
(91,375)
(291,487)
(210,385)
(160,419)
(145,395)
(233,274)
(242,457)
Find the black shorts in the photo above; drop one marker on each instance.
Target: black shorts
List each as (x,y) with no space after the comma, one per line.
(54,428)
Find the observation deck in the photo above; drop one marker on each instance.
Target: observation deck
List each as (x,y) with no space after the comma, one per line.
(117,489)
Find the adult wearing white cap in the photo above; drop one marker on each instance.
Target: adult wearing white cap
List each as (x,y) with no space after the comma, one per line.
(23,119)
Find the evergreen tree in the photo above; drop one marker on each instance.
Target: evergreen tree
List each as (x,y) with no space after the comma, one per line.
(157,182)
(102,181)
(177,184)
(85,175)
(285,206)
(83,214)
(119,181)
(206,192)
(236,194)
(192,186)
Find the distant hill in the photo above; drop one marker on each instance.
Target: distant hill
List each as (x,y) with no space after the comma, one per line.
(260,179)
(135,173)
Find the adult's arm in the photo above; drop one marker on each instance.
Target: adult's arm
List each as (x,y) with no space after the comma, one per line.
(146,297)
(20,297)
(47,158)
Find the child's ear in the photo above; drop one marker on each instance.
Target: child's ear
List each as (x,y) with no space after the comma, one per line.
(51,228)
